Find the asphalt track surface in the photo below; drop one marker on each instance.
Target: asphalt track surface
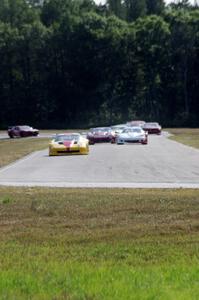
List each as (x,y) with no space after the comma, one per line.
(162,163)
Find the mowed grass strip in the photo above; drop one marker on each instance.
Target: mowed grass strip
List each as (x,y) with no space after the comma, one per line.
(99,244)
(187,136)
(13,149)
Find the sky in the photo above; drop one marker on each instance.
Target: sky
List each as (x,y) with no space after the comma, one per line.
(169,1)
(166,1)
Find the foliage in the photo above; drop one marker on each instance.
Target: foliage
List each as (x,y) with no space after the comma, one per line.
(76,63)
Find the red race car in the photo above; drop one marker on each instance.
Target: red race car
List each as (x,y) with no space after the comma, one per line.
(152,128)
(22,131)
(100,134)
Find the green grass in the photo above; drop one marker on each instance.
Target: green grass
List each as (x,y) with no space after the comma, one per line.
(187,136)
(99,244)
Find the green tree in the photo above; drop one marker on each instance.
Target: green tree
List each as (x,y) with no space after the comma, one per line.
(184,59)
(115,7)
(17,12)
(116,89)
(155,7)
(152,37)
(135,9)
(31,46)
(9,74)
(181,4)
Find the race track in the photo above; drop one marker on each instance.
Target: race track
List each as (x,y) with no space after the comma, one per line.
(160,164)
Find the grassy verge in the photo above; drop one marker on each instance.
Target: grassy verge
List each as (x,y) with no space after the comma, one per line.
(13,149)
(99,244)
(187,136)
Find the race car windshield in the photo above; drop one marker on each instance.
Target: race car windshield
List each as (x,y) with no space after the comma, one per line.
(25,127)
(136,130)
(137,123)
(62,138)
(151,125)
(118,127)
(100,129)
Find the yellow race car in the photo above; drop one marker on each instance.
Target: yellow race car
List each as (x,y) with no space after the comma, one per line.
(68,143)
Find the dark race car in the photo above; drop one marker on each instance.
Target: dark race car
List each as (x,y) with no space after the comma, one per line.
(22,131)
(100,134)
(152,128)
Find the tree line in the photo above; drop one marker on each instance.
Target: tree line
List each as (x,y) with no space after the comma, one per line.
(75,63)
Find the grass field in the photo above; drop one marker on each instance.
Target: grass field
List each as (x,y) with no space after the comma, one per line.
(99,244)
(187,136)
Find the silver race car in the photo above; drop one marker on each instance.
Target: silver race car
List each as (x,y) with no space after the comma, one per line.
(132,135)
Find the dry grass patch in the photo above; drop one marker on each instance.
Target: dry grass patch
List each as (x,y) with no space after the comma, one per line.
(96,215)
(187,136)
(13,149)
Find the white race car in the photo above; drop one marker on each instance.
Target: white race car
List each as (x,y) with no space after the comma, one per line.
(132,135)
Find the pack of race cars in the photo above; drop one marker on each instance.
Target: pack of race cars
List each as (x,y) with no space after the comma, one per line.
(75,143)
